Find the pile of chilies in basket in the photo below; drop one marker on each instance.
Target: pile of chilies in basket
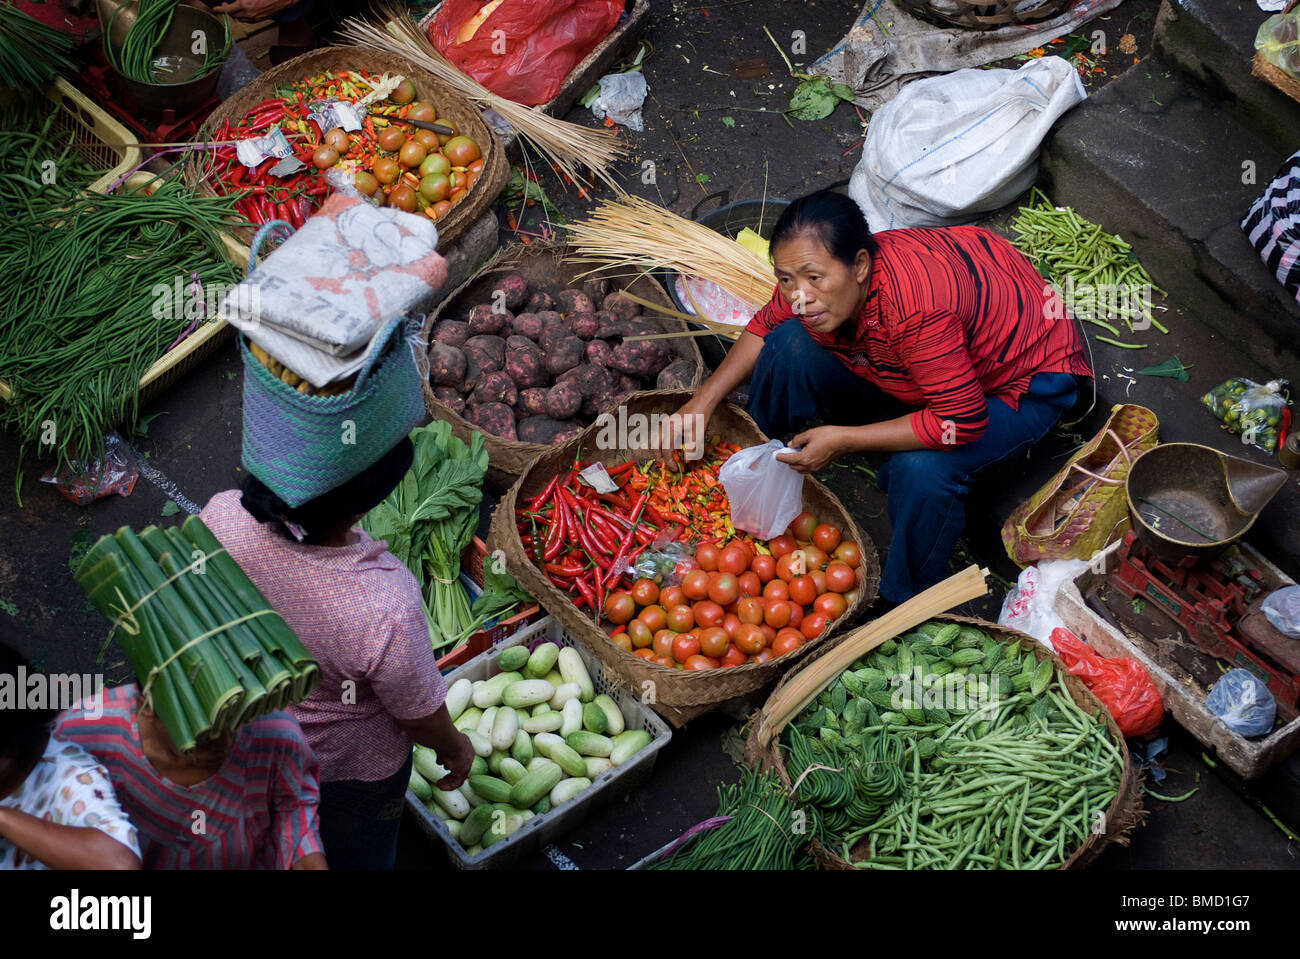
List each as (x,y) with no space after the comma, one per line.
(586,541)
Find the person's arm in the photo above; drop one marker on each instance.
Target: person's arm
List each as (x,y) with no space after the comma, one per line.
(65,847)
(821,445)
(253,11)
(315,860)
(453,747)
(294,794)
(734,369)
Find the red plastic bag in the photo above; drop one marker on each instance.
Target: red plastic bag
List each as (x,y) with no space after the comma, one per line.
(1122,685)
(539,42)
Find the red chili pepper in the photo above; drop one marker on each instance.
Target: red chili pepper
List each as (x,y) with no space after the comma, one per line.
(588,594)
(554,540)
(544,497)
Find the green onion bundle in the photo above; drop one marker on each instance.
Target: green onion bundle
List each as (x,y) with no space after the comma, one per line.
(209,652)
(31,53)
(763,830)
(135,58)
(1102,278)
(88,286)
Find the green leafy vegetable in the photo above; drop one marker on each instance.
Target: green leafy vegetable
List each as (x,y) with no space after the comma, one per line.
(1173,369)
(729,122)
(816,98)
(521,188)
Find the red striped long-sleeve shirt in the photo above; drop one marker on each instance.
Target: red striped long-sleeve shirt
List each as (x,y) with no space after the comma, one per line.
(952,316)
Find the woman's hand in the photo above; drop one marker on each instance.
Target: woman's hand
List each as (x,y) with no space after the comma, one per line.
(456,752)
(683,430)
(252,11)
(816,447)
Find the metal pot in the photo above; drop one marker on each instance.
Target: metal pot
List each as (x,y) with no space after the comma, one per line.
(173,56)
(1188,500)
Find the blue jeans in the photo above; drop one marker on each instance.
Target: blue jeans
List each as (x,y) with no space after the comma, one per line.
(797,384)
(359,820)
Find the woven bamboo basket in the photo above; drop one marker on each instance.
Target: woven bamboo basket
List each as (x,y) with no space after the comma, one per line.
(679,695)
(543,267)
(984,14)
(1123,815)
(450,104)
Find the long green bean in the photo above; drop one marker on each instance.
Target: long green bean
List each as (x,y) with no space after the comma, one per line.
(135,58)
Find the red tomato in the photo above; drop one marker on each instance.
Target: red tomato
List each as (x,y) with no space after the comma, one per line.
(814,557)
(776,613)
(763,656)
(750,610)
(706,554)
(622,641)
(749,584)
(685,646)
(707,613)
(645,592)
(819,580)
(671,596)
(654,616)
(724,589)
(813,625)
(776,589)
(803,526)
(733,560)
(826,537)
(791,565)
(681,619)
(803,590)
(663,642)
(764,567)
(698,662)
(796,614)
(663,661)
(749,639)
(619,608)
(849,553)
(640,634)
(643,653)
(731,623)
(840,577)
(769,634)
(714,641)
(783,544)
(696,584)
(733,657)
(830,605)
(787,640)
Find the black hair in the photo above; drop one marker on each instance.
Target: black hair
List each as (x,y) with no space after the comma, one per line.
(23,732)
(836,220)
(321,516)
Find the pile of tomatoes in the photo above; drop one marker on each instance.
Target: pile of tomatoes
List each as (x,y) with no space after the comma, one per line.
(736,604)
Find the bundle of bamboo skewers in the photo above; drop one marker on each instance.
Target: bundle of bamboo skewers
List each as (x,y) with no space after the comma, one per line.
(207,648)
(568,145)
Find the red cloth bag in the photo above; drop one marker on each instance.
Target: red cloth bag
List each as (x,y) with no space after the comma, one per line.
(1122,685)
(540,42)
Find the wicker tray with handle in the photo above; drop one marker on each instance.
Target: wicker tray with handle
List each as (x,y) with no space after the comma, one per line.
(449,104)
(984,14)
(678,695)
(1121,817)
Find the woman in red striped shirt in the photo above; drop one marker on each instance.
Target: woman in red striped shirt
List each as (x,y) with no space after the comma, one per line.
(942,346)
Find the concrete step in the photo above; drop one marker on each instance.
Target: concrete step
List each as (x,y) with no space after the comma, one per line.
(1154,159)
(1213,43)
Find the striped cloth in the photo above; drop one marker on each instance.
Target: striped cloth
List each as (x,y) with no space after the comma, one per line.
(952,315)
(358,611)
(258,811)
(1273,226)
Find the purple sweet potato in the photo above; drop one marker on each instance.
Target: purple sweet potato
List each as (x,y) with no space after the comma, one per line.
(584,326)
(621,306)
(495,418)
(587,378)
(514,289)
(676,375)
(545,430)
(599,352)
(527,324)
(494,388)
(552,332)
(563,400)
(526,367)
(532,402)
(538,301)
(624,384)
(484,320)
(602,401)
(550,316)
(446,365)
(564,355)
(571,429)
(452,332)
(643,358)
(488,353)
(451,397)
(574,301)
(596,287)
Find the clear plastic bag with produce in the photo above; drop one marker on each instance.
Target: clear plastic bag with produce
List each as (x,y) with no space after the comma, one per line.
(765,494)
(1260,413)
(1278,40)
(1282,609)
(666,563)
(1243,703)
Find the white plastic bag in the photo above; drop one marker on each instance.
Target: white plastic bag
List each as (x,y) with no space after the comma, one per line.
(1282,609)
(951,147)
(1030,605)
(766,494)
